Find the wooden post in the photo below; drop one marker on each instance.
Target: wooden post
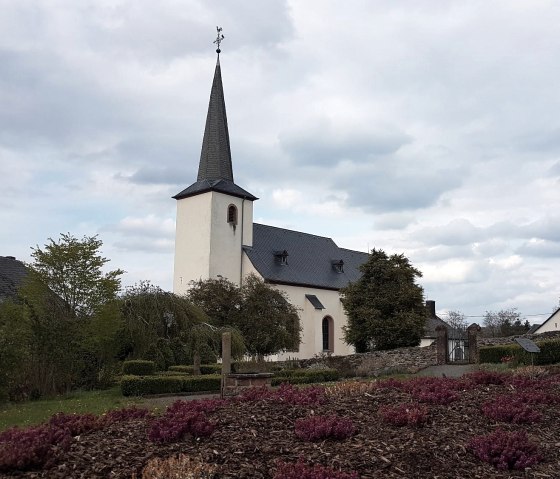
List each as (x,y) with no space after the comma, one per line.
(441,345)
(472,332)
(226,360)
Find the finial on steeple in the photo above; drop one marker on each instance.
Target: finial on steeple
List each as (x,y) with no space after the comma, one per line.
(219,39)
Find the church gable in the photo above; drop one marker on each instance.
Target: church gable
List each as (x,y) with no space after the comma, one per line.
(290,257)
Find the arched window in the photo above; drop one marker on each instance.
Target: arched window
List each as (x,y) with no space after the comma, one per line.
(232,214)
(328,334)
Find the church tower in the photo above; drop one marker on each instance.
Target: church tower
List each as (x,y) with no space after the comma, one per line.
(214,215)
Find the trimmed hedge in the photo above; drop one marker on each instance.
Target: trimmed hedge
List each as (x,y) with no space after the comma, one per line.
(305,376)
(550,353)
(139,367)
(140,385)
(204,369)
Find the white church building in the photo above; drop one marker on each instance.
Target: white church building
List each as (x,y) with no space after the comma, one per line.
(216,236)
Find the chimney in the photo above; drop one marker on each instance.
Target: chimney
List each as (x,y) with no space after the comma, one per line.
(431,308)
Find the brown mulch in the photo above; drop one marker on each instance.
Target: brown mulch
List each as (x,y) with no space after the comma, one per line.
(250,437)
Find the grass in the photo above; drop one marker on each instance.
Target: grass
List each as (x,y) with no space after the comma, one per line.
(35,412)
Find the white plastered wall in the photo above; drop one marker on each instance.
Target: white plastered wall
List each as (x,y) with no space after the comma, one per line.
(206,245)
(552,324)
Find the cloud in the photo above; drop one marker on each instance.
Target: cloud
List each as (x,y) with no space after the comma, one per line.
(539,248)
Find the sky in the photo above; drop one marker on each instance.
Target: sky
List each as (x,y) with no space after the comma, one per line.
(426,128)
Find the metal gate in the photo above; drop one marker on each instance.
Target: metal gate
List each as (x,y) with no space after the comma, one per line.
(457,345)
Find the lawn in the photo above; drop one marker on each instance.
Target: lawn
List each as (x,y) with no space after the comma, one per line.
(35,412)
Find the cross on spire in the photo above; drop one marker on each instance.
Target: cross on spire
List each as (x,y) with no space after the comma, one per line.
(219,39)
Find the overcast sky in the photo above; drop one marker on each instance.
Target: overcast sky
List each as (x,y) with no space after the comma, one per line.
(428,128)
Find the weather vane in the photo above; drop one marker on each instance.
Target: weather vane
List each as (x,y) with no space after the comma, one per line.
(219,39)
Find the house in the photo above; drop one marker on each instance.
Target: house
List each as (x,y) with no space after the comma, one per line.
(550,324)
(216,237)
(432,322)
(12,273)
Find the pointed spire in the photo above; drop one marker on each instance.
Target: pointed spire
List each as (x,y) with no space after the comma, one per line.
(215,157)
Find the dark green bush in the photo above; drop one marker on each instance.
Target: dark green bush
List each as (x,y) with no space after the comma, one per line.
(139,367)
(305,376)
(140,385)
(550,353)
(208,382)
(204,369)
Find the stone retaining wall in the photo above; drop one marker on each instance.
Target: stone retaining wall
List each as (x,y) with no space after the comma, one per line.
(402,360)
(511,339)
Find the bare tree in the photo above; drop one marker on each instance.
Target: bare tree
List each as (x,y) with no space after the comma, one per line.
(456,319)
(506,322)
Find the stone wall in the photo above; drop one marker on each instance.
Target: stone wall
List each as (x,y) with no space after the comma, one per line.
(402,360)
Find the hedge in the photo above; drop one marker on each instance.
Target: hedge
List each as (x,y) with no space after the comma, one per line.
(305,376)
(204,369)
(140,385)
(550,353)
(139,367)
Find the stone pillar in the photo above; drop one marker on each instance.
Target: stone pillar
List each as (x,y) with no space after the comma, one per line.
(226,360)
(472,334)
(441,344)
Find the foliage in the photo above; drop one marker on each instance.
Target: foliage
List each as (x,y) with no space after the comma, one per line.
(318,428)
(506,322)
(299,470)
(30,448)
(204,369)
(550,353)
(433,390)
(72,270)
(169,329)
(512,409)
(264,316)
(75,424)
(385,307)
(158,384)
(486,377)
(305,376)
(139,367)
(179,466)
(14,350)
(125,414)
(182,418)
(505,450)
(405,414)
(350,388)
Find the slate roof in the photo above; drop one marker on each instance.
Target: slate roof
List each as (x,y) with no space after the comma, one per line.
(12,273)
(215,170)
(432,323)
(310,258)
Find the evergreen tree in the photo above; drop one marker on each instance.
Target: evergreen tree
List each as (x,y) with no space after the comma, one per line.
(385,307)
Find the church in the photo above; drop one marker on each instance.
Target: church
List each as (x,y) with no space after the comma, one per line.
(216,237)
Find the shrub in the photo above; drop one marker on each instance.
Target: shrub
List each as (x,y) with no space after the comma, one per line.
(405,414)
(75,424)
(390,383)
(35,447)
(139,367)
(509,408)
(305,376)
(486,377)
(208,382)
(183,369)
(126,414)
(350,388)
(505,450)
(299,470)
(433,390)
(494,354)
(178,466)
(550,352)
(140,385)
(317,428)
(182,418)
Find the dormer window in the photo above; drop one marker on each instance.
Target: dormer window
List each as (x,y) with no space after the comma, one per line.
(232,215)
(281,257)
(338,265)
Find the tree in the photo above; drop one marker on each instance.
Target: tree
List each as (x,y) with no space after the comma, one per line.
(170,329)
(385,307)
(72,270)
(264,316)
(456,320)
(506,322)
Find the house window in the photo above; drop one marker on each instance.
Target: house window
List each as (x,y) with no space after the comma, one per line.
(328,334)
(338,265)
(232,214)
(281,257)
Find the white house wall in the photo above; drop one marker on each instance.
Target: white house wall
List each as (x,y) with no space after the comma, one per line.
(552,324)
